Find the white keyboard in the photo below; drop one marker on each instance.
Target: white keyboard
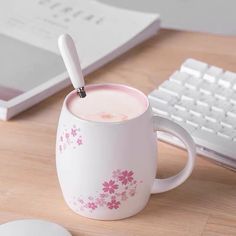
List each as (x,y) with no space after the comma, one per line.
(202,99)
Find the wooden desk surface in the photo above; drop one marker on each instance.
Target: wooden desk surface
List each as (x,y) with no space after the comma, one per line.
(204,205)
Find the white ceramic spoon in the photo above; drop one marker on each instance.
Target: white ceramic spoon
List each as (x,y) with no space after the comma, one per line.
(72,63)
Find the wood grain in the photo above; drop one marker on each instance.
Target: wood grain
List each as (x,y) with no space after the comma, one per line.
(204,205)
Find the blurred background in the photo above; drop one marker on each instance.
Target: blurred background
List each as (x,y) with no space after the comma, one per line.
(213,16)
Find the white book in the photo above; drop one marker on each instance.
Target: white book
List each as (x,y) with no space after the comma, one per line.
(31,67)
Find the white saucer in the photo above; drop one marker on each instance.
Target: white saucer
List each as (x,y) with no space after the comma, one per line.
(32,228)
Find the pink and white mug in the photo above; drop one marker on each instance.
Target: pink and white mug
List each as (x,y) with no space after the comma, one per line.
(107,170)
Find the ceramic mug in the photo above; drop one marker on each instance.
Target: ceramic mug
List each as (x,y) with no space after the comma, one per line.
(107,170)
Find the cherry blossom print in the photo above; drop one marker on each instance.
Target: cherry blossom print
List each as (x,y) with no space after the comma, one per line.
(132,192)
(119,188)
(79,141)
(73,132)
(116,174)
(100,201)
(67,135)
(81,201)
(113,204)
(124,196)
(126,177)
(92,205)
(103,195)
(70,137)
(110,186)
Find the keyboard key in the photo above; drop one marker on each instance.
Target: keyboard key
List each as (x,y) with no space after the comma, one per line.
(228,79)
(193,83)
(223,93)
(229,122)
(212,74)
(203,109)
(172,88)
(214,116)
(195,112)
(234,86)
(177,118)
(180,115)
(160,108)
(192,123)
(232,112)
(194,67)
(180,107)
(208,88)
(205,100)
(205,128)
(161,96)
(234,135)
(233,98)
(187,104)
(199,110)
(211,127)
(214,142)
(190,95)
(197,122)
(225,133)
(221,106)
(179,77)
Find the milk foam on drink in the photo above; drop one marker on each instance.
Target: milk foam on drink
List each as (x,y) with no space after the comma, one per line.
(108,103)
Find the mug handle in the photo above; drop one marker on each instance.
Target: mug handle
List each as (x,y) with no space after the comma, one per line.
(163,185)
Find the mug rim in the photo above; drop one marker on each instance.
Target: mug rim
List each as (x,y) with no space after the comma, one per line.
(65,105)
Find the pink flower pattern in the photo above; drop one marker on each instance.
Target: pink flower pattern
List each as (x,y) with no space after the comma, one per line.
(116,174)
(121,187)
(110,186)
(92,205)
(132,191)
(100,202)
(113,204)
(73,132)
(79,141)
(126,177)
(67,135)
(124,196)
(70,138)
(103,195)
